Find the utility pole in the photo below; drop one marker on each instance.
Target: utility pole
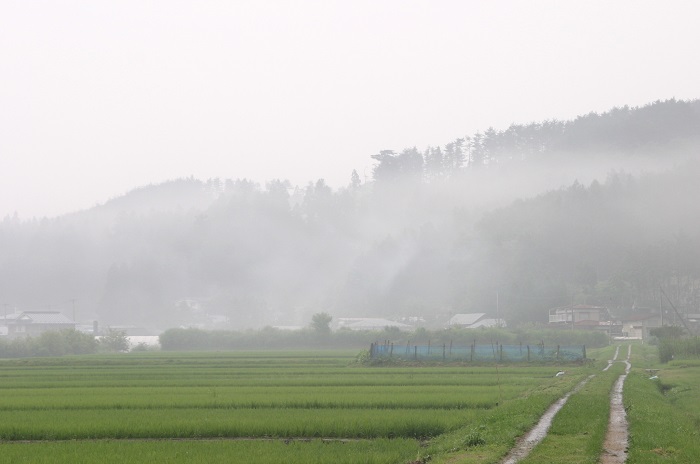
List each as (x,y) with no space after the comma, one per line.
(6,329)
(498,314)
(73,301)
(676,311)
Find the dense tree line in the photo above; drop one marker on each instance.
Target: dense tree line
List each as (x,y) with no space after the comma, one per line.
(62,343)
(652,130)
(483,224)
(209,340)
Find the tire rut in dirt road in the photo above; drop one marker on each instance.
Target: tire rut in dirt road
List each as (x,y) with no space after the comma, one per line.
(537,433)
(611,361)
(611,449)
(617,436)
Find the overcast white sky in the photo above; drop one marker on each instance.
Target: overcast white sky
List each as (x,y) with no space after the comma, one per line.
(99,97)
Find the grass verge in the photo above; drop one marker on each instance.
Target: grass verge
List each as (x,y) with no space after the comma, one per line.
(578,430)
(490,438)
(664,416)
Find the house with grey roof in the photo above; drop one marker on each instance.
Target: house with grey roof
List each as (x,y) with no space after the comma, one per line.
(32,323)
(638,325)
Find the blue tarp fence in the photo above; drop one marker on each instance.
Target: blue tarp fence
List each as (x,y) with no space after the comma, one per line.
(478,353)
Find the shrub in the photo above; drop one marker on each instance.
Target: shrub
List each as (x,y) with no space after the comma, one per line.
(52,343)
(115,341)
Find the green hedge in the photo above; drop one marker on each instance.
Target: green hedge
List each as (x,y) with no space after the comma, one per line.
(678,348)
(54,343)
(197,339)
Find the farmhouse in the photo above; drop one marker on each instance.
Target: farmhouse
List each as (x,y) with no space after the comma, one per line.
(474,321)
(34,323)
(578,315)
(638,326)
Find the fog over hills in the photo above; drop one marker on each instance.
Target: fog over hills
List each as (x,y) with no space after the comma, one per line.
(600,209)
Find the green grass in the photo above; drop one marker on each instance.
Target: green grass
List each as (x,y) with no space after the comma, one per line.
(664,414)
(578,430)
(498,429)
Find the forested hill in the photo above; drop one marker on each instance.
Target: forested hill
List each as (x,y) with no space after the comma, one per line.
(540,214)
(657,130)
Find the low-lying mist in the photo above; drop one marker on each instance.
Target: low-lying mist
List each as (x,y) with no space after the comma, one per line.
(428,237)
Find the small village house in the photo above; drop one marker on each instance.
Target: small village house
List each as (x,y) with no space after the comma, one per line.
(578,315)
(32,323)
(638,326)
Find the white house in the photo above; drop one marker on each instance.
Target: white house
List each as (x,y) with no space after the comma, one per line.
(578,315)
(638,326)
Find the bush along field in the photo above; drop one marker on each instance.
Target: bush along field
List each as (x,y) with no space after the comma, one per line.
(265,407)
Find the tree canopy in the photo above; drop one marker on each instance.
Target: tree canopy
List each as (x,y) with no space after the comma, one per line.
(597,209)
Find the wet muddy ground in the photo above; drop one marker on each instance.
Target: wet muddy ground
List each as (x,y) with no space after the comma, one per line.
(537,433)
(616,438)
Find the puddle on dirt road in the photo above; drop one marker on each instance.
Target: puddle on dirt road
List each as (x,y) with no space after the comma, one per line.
(537,434)
(616,439)
(617,436)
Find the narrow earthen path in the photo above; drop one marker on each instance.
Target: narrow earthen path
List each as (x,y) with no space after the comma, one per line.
(611,361)
(615,442)
(617,437)
(537,433)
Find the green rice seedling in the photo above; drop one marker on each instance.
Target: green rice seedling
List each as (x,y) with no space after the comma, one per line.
(165,375)
(198,423)
(379,451)
(156,396)
(333,397)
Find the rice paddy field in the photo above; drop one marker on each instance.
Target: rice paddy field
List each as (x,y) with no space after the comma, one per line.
(264,407)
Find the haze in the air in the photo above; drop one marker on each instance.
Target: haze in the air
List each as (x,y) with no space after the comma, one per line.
(98,98)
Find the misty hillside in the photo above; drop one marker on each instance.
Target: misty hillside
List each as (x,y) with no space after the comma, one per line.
(599,209)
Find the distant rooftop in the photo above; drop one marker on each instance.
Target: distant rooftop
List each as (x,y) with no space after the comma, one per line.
(466,319)
(40,317)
